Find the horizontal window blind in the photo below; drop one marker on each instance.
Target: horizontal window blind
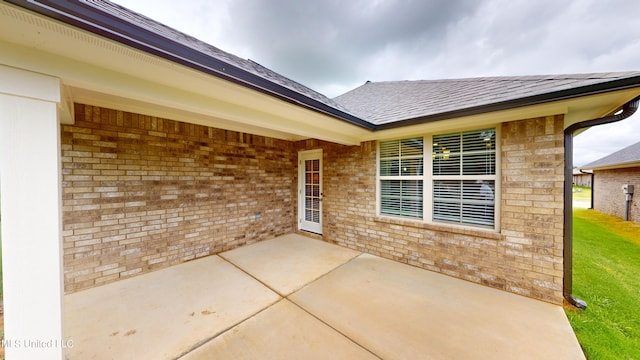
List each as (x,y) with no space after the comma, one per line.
(464,168)
(464,201)
(401,171)
(466,153)
(402,157)
(446,154)
(401,197)
(479,152)
(461,178)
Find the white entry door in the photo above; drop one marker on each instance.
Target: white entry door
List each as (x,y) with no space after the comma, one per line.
(310,191)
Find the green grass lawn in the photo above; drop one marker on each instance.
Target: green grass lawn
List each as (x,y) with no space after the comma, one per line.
(606,274)
(581,193)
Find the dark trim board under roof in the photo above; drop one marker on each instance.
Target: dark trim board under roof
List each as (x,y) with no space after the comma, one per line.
(405,103)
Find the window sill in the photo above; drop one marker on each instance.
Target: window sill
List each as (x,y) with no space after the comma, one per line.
(488,234)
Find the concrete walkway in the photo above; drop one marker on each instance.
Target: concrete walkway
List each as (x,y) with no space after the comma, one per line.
(295,297)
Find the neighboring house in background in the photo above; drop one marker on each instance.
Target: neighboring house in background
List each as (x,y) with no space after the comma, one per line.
(610,174)
(581,178)
(127,146)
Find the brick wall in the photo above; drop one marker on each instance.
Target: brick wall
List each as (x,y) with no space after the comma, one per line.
(141,193)
(608,196)
(525,257)
(532,209)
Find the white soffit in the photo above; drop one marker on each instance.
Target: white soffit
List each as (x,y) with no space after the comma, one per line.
(103,72)
(597,106)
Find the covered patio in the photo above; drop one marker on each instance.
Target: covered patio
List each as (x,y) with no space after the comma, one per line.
(296,297)
(148,178)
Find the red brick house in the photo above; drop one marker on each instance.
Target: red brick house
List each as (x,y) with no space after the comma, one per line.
(611,173)
(127,146)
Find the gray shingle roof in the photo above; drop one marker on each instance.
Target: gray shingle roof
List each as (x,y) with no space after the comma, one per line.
(373,106)
(393,101)
(628,155)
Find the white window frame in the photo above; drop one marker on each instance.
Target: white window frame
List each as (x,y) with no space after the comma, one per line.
(428,178)
(303,224)
(400,177)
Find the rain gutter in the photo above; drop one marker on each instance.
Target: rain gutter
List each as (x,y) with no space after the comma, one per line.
(593,188)
(627,110)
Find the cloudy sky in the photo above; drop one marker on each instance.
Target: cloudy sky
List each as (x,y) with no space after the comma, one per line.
(334,46)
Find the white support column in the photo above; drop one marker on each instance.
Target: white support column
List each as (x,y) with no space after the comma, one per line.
(31,215)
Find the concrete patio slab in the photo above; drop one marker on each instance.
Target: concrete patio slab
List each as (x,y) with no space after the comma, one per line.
(162,314)
(283,331)
(289,262)
(349,305)
(400,312)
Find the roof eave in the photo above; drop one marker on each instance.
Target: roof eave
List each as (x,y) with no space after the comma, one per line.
(618,165)
(595,89)
(89,18)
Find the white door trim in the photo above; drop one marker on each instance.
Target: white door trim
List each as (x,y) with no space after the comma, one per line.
(310,191)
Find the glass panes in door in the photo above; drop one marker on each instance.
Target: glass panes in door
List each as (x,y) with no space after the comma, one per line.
(312,195)
(310,191)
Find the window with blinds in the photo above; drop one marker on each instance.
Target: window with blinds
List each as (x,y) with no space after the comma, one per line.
(460,181)
(401,173)
(464,169)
